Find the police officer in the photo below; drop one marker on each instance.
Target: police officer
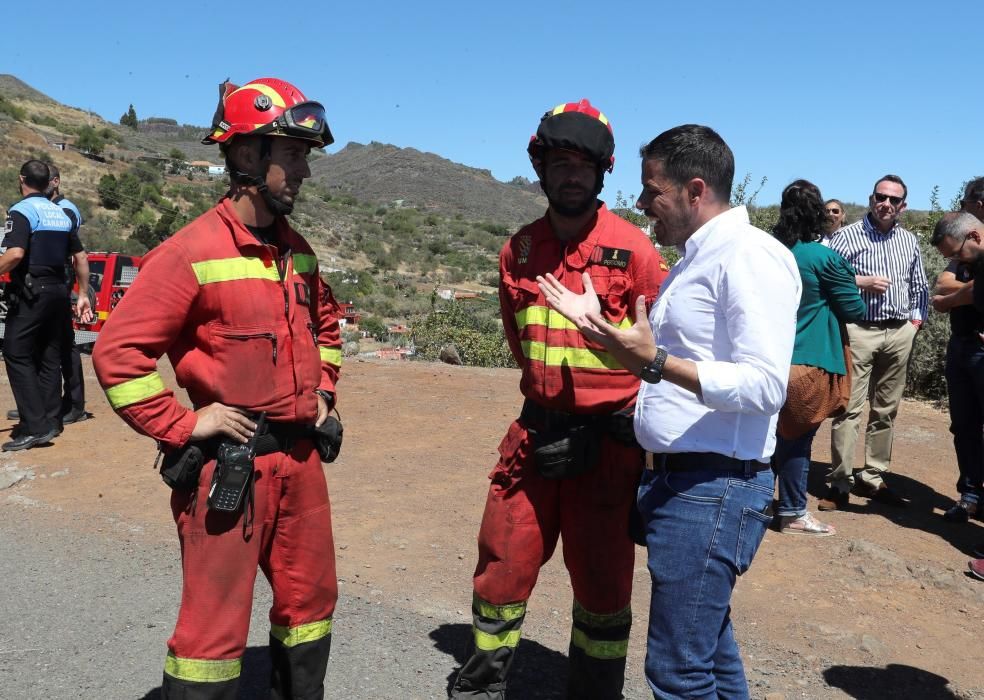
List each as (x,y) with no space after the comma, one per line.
(73,393)
(39,237)
(72,408)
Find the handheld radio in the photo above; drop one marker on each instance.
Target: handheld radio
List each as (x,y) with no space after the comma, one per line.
(233,472)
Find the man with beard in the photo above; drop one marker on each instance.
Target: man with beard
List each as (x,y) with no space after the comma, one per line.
(235,301)
(714,355)
(569,465)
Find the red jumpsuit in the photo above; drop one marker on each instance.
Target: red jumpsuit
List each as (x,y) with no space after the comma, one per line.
(249,326)
(525,512)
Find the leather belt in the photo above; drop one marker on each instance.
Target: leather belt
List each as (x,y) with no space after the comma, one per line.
(887,323)
(692,461)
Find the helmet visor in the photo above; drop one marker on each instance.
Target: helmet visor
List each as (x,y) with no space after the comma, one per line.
(307,121)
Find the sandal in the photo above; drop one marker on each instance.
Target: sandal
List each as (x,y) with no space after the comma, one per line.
(805,525)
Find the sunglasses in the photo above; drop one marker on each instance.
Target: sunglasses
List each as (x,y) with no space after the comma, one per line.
(956,255)
(833,211)
(880,197)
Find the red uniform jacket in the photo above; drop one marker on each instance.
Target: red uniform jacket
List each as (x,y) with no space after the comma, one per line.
(236,329)
(562,370)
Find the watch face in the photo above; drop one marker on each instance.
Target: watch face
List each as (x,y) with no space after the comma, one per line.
(651,374)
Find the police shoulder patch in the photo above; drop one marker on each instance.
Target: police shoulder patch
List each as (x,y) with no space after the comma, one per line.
(611,257)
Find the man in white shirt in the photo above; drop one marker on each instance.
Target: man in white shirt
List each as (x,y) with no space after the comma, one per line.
(714,357)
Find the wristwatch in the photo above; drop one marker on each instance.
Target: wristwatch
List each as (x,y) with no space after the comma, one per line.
(327,396)
(653,372)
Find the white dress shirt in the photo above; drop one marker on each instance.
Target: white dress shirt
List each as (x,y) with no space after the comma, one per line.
(729,305)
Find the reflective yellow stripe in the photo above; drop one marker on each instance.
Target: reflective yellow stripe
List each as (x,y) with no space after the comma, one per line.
(491,642)
(597,649)
(310,632)
(274,96)
(304,263)
(569,357)
(332,355)
(512,611)
(202,670)
(134,390)
(229,269)
(102,315)
(596,620)
(545,316)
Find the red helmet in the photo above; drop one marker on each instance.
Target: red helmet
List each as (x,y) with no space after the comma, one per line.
(267,106)
(576,126)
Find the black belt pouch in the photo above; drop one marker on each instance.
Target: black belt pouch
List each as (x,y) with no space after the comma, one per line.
(563,454)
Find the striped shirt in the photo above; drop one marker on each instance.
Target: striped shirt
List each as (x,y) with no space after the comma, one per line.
(894,255)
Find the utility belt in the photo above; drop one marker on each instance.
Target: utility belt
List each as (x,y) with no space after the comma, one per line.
(180,468)
(568,444)
(29,287)
(693,461)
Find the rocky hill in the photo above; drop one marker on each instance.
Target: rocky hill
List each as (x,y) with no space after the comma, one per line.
(386,247)
(382,173)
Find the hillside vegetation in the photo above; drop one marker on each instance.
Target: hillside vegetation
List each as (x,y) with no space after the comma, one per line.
(389,224)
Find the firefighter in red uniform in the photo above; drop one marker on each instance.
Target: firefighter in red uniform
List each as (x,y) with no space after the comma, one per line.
(235,301)
(569,466)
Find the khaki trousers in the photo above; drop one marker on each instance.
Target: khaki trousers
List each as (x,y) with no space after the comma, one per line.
(880,359)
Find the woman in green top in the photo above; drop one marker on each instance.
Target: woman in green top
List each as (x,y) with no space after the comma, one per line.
(830,297)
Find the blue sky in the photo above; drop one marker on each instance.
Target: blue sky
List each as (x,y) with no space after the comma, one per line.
(839,93)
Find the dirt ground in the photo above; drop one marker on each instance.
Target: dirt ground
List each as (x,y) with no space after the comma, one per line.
(883,609)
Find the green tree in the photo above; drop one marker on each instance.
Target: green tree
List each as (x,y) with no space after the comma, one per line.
(177,154)
(925,376)
(144,234)
(374,327)
(108,194)
(169,222)
(89,141)
(129,118)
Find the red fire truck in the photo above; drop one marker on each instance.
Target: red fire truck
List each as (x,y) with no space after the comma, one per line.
(110,275)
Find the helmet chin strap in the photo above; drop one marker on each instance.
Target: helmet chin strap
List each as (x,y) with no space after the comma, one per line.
(276,207)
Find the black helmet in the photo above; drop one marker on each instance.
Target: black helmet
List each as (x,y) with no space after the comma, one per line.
(576,126)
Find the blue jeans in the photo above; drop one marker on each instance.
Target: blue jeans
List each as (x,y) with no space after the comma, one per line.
(702,529)
(965,388)
(792,465)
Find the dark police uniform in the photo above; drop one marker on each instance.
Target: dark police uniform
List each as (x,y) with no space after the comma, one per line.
(38,316)
(73,399)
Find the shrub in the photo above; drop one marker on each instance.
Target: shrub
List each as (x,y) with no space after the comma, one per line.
(89,141)
(12,110)
(480,342)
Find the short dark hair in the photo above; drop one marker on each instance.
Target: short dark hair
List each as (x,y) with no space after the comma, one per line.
(36,174)
(974,191)
(53,171)
(892,178)
(690,151)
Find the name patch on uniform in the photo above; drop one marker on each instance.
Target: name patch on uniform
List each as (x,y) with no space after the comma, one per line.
(611,257)
(525,243)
